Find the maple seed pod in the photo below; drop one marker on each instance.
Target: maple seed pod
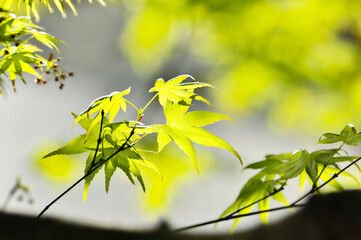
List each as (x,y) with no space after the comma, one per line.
(51,57)
(71,74)
(37,80)
(61,86)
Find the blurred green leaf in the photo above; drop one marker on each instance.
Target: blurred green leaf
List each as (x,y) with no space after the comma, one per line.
(278,58)
(18,55)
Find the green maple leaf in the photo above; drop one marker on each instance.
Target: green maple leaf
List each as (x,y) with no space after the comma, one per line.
(79,144)
(17,63)
(121,130)
(254,190)
(301,160)
(18,58)
(177,92)
(184,128)
(108,104)
(125,160)
(348,135)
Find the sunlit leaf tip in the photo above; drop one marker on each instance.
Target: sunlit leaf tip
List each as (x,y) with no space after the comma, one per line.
(175,91)
(108,104)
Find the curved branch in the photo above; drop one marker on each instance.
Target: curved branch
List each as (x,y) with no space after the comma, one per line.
(294,204)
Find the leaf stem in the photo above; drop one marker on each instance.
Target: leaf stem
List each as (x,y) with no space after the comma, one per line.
(151,100)
(130,103)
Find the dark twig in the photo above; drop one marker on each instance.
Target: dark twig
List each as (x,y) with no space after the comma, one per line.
(10,195)
(98,141)
(17,186)
(313,190)
(294,204)
(124,146)
(314,185)
(70,188)
(265,197)
(233,217)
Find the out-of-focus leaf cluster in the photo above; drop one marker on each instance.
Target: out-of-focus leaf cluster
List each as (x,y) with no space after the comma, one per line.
(19,53)
(177,175)
(298,59)
(31,7)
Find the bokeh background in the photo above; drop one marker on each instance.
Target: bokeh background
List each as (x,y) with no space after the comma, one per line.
(285,70)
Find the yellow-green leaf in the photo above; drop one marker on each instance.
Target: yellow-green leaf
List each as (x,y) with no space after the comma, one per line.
(163,139)
(201,118)
(110,103)
(183,143)
(203,137)
(177,92)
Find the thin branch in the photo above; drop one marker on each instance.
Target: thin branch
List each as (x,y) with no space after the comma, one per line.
(151,100)
(124,146)
(98,141)
(314,185)
(234,217)
(70,188)
(313,190)
(294,204)
(265,197)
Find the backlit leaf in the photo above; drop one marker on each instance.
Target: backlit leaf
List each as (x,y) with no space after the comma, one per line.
(184,128)
(348,135)
(177,92)
(110,103)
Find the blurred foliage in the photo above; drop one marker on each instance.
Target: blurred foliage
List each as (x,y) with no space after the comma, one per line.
(294,60)
(177,173)
(19,53)
(60,168)
(31,7)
